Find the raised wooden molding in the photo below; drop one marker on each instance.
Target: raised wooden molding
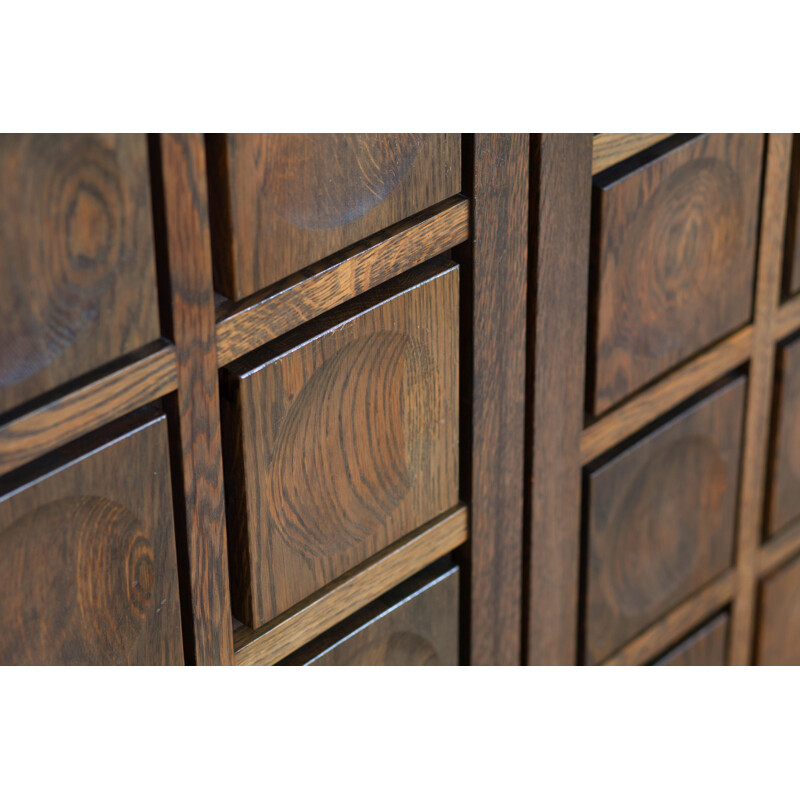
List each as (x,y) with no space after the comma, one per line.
(611,148)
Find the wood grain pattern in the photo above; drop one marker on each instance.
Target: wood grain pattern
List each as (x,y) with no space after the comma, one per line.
(704,648)
(778,639)
(784,497)
(246,326)
(197,453)
(611,148)
(791,274)
(787,319)
(284,201)
(560,229)
(78,284)
(674,389)
(677,623)
(779,549)
(352,591)
(87,555)
(759,394)
(662,519)
(341,440)
(493,393)
(674,253)
(414,625)
(132,384)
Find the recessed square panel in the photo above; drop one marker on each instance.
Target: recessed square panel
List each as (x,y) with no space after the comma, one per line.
(704,648)
(661,519)
(778,635)
(674,246)
(339,441)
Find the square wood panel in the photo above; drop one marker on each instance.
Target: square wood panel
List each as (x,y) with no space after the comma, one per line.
(280,201)
(706,647)
(414,625)
(340,441)
(78,280)
(661,519)
(674,245)
(778,635)
(784,490)
(87,554)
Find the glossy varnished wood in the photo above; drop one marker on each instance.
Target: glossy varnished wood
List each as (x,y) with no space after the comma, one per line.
(143,377)
(759,394)
(196,446)
(611,148)
(87,553)
(778,637)
(704,648)
(784,498)
(77,273)
(661,519)
(341,439)
(674,246)
(352,591)
(256,321)
(414,625)
(284,201)
(561,184)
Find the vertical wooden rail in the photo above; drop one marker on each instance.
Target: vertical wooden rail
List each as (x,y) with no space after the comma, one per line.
(499,255)
(561,179)
(759,393)
(190,315)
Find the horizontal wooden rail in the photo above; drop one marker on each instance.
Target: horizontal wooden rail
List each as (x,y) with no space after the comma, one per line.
(611,148)
(301,624)
(678,386)
(780,549)
(88,407)
(788,319)
(259,319)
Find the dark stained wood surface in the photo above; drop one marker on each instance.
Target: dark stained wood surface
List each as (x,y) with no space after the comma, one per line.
(352,591)
(197,454)
(494,300)
(791,276)
(611,148)
(784,499)
(704,648)
(77,271)
(284,201)
(661,519)
(247,325)
(561,181)
(759,394)
(414,625)
(144,376)
(674,246)
(778,637)
(341,439)
(87,554)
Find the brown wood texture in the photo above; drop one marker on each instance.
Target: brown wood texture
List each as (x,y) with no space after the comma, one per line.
(256,321)
(675,388)
(674,246)
(704,648)
(493,408)
(78,283)
(759,396)
(791,276)
(784,496)
(102,399)
(341,439)
(611,148)
(197,454)
(788,318)
(779,549)
(414,625)
(561,181)
(778,641)
(352,591)
(284,201)
(87,553)
(661,519)
(677,623)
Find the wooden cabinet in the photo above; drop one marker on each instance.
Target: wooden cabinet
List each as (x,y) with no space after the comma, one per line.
(705,648)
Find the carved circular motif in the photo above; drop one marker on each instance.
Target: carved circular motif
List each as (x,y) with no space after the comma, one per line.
(352,443)
(78,583)
(655,525)
(692,222)
(67,239)
(323,181)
